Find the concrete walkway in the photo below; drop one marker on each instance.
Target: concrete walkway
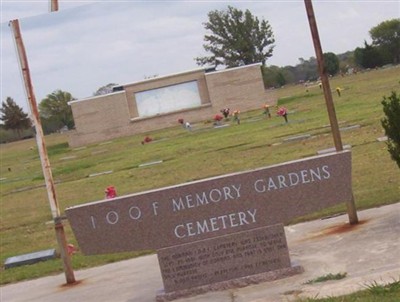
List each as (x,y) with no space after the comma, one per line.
(368,253)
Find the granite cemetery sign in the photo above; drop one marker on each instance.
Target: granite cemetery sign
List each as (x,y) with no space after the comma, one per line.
(210,208)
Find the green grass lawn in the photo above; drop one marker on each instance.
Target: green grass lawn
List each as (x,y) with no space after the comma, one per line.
(25,213)
(372,293)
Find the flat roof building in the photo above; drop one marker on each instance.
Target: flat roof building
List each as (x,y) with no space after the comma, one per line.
(159,102)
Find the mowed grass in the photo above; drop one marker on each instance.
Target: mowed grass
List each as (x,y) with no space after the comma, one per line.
(372,293)
(26,221)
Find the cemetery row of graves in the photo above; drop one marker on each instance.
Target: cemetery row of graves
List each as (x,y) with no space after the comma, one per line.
(179,155)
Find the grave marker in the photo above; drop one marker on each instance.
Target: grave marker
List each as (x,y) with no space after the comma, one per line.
(68,157)
(349,128)
(100,173)
(30,258)
(105,143)
(80,148)
(150,163)
(221,126)
(382,139)
(99,152)
(297,138)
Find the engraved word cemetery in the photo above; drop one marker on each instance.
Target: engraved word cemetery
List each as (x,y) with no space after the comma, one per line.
(220,232)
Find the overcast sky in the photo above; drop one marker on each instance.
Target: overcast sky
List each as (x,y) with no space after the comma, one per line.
(88,44)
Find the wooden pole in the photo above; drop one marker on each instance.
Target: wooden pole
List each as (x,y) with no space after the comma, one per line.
(58,224)
(51,192)
(53,5)
(351,208)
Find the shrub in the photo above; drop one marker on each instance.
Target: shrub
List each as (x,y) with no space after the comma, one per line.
(391,124)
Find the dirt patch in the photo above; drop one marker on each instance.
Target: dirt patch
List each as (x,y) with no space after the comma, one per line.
(334,230)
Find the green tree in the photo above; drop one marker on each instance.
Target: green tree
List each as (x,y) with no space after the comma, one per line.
(55,108)
(331,62)
(288,73)
(273,76)
(307,70)
(386,35)
(105,89)
(237,38)
(14,117)
(391,124)
(368,57)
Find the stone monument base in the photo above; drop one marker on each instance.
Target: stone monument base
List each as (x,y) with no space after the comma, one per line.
(234,283)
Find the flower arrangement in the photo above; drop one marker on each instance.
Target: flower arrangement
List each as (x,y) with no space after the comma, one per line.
(266,110)
(184,124)
(225,112)
(71,249)
(218,118)
(147,139)
(110,192)
(282,111)
(236,117)
(338,90)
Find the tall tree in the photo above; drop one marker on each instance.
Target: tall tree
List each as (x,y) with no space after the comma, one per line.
(55,107)
(237,38)
(368,57)
(331,62)
(386,35)
(105,89)
(307,70)
(273,76)
(14,117)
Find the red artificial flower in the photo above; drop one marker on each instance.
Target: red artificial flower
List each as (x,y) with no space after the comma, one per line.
(218,117)
(147,139)
(110,192)
(281,111)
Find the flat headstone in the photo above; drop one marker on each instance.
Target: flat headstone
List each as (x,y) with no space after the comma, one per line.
(382,139)
(27,188)
(30,258)
(297,138)
(328,125)
(160,140)
(255,119)
(105,143)
(80,148)
(100,173)
(68,157)
(151,163)
(224,258)
(349,128)
(99,152)
(221,126)
(331,150)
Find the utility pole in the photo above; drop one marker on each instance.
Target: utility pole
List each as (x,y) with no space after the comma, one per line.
(351,208)
(51,193)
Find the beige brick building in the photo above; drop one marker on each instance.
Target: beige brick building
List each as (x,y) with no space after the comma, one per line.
(159,102)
